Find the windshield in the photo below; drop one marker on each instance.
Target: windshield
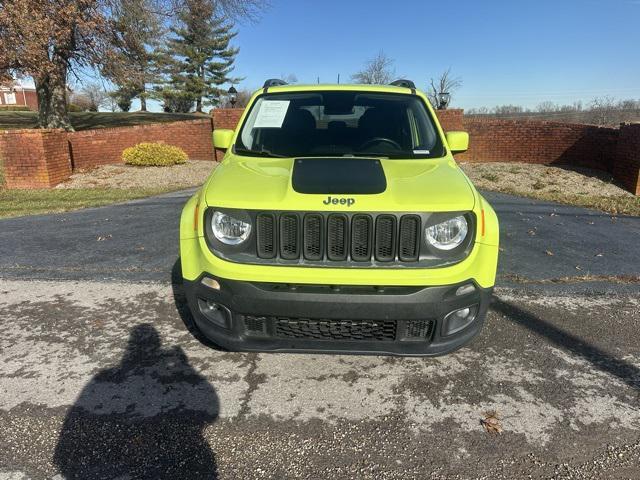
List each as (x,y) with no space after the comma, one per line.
(337,124)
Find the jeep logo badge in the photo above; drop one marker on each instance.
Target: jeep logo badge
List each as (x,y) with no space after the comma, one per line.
(339,201)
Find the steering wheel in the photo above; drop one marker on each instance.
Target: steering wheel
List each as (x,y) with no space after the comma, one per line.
(375,140)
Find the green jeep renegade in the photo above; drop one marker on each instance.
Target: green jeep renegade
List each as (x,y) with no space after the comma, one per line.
(338,221)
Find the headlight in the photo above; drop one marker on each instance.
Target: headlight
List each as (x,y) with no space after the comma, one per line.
(228,229)
(448,234)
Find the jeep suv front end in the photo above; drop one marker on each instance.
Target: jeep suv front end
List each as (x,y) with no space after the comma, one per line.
(338,221)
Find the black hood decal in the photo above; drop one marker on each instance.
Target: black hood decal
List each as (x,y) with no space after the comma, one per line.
(338,176)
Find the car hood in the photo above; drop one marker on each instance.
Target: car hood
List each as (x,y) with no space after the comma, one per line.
(416,185)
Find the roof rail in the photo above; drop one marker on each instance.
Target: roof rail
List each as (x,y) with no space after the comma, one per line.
(403,83)
(273,82)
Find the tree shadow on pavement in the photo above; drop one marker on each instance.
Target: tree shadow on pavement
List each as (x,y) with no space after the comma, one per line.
(144,418)
(603,361)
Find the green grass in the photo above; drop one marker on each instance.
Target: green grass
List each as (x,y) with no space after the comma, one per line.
(90,120)
(14,203)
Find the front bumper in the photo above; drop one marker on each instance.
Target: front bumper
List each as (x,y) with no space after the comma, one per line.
(349,319)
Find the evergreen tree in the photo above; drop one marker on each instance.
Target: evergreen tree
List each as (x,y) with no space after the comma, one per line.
(133,61)
(199,56)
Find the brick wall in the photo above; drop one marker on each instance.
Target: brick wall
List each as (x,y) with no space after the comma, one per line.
(43,158)
(539,142)
(226,117)
(451,119)
(91,148)
(34,158)
(626,167)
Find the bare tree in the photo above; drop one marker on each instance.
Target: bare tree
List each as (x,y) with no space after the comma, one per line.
(628,104)
(547,107)
(507,109)
(603,109)
(249,10)
(96,96)
(574,107)
(378,71)
(478,111)
(79,102)
(446,83)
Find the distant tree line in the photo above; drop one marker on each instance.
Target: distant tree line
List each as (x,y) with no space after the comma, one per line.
(606,111)
(178,52)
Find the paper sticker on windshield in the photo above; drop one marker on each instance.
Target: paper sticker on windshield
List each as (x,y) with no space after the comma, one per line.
(271,114)
(421,152)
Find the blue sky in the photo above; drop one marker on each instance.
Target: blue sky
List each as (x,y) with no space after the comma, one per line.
(519,51)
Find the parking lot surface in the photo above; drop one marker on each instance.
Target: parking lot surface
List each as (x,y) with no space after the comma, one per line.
(101,375)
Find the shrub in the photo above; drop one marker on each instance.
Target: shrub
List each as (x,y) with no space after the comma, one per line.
(153,154)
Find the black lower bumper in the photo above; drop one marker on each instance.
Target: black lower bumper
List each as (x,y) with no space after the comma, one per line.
(343,319)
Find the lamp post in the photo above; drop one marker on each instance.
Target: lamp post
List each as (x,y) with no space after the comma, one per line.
(233,96)
(443,100)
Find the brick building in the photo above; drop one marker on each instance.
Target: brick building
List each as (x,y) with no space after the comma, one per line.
(18,96)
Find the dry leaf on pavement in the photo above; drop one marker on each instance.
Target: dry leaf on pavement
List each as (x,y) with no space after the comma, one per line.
(491,422)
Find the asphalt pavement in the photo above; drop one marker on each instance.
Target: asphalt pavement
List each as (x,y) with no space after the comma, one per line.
(138,241)
(101,375)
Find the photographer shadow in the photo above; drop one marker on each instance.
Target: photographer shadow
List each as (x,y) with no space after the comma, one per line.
(144,418)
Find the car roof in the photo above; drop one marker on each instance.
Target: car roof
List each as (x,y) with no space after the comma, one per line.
(337,87)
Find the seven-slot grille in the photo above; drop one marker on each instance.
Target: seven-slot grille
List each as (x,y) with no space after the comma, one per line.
(338,237)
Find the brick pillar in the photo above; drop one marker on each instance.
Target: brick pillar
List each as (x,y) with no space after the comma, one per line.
(34,158)
(626,165)
(225,118)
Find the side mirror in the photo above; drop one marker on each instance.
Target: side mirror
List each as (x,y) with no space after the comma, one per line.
(458,141)
(222,138)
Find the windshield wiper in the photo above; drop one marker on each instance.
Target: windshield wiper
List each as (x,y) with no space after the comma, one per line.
(258,153)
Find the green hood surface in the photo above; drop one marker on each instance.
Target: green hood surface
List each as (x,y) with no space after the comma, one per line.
(430,185)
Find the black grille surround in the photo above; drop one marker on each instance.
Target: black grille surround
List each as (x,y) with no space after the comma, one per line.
(330,318)
(342,239)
